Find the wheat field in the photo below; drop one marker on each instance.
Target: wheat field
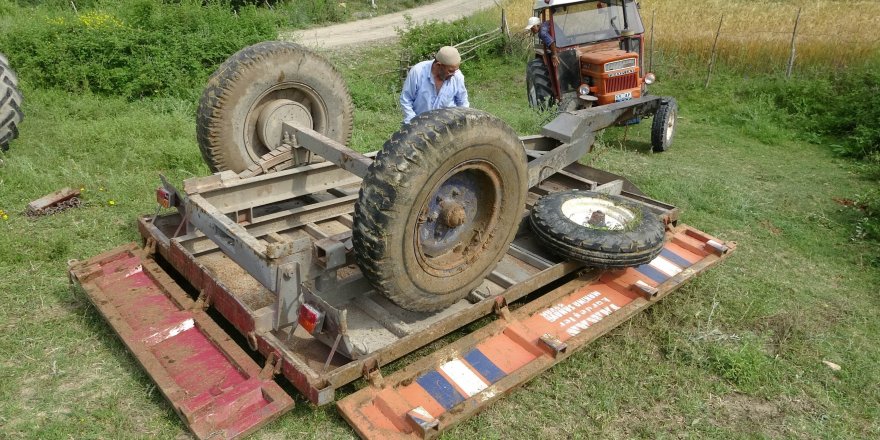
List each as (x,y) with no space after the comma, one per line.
(755,34)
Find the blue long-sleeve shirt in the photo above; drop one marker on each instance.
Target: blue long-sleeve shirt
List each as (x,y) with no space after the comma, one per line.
(544,34)
(419,94)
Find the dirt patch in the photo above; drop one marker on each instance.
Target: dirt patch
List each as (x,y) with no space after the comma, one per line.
(747,414)
(770,227)
(782,328)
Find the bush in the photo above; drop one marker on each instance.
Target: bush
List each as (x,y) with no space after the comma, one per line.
(844,104)
(420,42)
(146,48)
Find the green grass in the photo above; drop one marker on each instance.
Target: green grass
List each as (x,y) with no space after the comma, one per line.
(737,353)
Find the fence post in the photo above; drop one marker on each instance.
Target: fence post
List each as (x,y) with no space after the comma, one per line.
(505,28)
(712,56)
(793,45)
(651,60)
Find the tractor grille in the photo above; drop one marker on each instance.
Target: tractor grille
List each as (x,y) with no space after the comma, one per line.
(622,82)
(620,64)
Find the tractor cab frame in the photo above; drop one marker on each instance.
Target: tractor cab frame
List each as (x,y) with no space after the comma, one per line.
(597,58)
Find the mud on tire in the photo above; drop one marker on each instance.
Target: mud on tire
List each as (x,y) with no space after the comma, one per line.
(440,205)
(10,104)
(253,79)
(629,236)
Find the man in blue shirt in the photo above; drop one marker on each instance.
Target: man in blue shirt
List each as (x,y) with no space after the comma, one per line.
(434,84)
(543,30)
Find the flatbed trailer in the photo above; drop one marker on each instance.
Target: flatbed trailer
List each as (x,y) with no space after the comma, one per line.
(319,220)
(270,250)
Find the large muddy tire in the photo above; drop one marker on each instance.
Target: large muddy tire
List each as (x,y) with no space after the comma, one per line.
(240,112)
(663,127)
(623,235)
(538,87)
(10,104)
(439,207)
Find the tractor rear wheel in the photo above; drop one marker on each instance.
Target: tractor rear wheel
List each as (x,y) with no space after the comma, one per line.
(10,104)
(538,87)
(599,230)
(663,127)
(439,206)
(251,93)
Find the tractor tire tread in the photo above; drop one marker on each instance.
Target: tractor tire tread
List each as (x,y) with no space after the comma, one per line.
(11,98)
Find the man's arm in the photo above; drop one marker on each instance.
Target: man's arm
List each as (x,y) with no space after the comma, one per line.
(461,94)
(408,97)
(546,37)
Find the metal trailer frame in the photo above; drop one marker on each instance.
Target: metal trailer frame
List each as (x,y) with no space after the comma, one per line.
(253,248)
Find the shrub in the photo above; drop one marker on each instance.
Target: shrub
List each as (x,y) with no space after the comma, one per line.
(844,104)
(422,40)
(146,48)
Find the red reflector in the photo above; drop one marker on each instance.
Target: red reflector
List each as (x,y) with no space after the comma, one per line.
(311,318)
(165,197)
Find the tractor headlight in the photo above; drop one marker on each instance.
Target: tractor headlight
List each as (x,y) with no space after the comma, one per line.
(650,78)
(584,89)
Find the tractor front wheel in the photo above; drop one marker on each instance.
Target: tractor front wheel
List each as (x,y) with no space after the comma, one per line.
(439,206)
(663,127)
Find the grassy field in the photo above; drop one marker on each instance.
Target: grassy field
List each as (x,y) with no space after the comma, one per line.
(738,353)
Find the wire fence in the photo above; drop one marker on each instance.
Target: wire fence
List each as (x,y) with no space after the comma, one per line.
(766,42)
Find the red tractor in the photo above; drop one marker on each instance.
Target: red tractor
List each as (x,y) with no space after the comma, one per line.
(590,53)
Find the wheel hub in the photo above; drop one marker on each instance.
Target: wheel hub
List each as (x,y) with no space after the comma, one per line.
(273,114)
(597,213)
(457,219)
(452,213)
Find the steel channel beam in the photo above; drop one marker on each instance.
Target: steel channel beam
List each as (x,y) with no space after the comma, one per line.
(323,146)
(235,241)
(560,157)
(240,194)
(284,221)
(570,127)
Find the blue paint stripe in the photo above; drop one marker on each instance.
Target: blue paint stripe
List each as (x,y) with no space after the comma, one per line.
(440,389)
(675,259)
(484,366)
(652,273)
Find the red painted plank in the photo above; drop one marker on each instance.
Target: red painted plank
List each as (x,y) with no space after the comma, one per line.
(516,346)
(211,383)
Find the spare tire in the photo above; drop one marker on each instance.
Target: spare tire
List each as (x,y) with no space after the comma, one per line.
(241,109)
(10,104)
(597,229)
(439,207)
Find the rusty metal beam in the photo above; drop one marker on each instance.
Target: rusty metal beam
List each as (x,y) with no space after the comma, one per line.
(230,194)
(339,154)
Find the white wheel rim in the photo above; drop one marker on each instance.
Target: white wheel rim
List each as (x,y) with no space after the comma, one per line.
(670,126)
(581,209)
